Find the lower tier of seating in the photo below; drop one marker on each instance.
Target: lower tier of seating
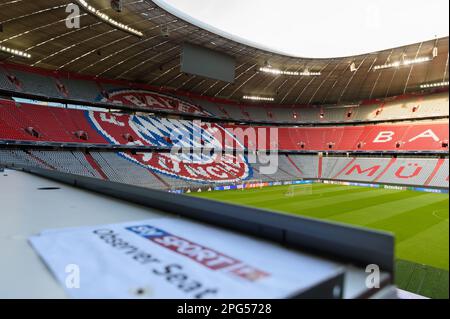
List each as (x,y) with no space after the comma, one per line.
(180,171)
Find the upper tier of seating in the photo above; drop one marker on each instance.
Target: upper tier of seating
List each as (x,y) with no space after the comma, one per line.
(29,122)
(82,88)
(405,107)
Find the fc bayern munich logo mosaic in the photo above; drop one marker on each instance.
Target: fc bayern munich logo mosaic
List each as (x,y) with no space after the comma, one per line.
(151,131)
(151,100)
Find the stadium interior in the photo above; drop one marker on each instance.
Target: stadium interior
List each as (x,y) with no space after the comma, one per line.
(100,101)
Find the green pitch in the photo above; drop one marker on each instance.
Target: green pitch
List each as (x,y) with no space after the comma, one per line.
(419,221)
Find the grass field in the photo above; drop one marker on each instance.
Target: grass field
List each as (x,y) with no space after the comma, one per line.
(419,221)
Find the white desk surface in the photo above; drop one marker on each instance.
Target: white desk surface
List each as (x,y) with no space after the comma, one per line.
(26,211)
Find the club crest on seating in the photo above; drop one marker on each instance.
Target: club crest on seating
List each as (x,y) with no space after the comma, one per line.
(151,100)
(177,136)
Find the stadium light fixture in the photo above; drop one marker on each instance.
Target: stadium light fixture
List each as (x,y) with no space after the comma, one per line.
(15,52)
(281,72)
(258,98)
(97,13)
(434,85)
(435,52)
(405,62)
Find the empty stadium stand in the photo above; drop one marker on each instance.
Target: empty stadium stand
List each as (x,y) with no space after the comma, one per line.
(414,136)
(398,171)
(439,177)
(28,122)
(119,168)
(60,85)
(363,127)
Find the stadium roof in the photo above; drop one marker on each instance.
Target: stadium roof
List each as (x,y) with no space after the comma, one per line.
(96,48)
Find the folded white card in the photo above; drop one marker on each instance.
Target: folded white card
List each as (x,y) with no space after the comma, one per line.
(174,258)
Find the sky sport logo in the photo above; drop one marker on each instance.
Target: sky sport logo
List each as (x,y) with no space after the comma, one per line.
(204,256)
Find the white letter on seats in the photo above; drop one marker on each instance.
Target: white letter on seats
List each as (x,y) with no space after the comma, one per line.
(384,137)
(426,134)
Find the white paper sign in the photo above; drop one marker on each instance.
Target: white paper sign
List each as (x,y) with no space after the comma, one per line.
(174,258)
